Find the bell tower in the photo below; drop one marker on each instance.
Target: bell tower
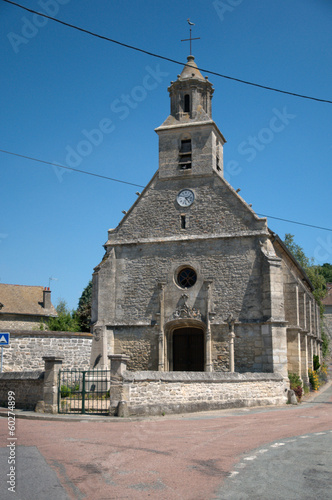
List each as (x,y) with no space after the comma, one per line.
(190,142)
(190,94)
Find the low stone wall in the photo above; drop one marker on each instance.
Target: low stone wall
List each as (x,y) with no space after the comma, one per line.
(155,393)
(27,388)
(27,348)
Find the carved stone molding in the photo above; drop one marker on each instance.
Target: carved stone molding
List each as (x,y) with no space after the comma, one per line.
(186,311)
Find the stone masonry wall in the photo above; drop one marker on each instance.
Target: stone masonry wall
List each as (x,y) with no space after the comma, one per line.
(140,344)
(27,348)
(236,288)
(327,321)
(248,349)
(153,393)
(220,348)
(19,321)
(217,210)
(27,387)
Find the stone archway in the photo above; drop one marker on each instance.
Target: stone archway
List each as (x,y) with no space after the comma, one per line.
(188,349)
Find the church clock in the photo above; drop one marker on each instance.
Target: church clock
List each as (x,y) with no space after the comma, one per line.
(185,198)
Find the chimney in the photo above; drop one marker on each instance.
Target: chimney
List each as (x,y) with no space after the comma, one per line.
(47,298)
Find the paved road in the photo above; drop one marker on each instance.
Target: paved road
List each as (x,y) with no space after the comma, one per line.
(291,469)
(265,453)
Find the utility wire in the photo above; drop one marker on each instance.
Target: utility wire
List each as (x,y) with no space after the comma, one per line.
(294,222)
(139,185)
(165,58)
(70,168)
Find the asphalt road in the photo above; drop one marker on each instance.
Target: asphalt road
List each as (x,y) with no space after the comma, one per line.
(263,453)
(295,468)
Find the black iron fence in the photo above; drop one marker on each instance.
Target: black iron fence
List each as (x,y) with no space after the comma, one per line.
(84,391)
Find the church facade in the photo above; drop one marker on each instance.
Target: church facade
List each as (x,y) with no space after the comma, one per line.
(192,280)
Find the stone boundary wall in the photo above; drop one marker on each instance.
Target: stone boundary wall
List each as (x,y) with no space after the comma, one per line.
(155,393)
(27,348)
(27,386)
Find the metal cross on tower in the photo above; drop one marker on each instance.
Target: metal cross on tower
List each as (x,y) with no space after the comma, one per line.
(190,37)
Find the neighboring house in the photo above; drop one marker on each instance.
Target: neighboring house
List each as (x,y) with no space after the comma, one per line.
(191,266)
(328,311)
(24,307)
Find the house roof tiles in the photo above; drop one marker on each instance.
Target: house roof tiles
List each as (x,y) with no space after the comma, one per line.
(21,299)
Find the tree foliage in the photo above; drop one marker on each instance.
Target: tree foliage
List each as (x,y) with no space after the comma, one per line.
(66,321)
(326,271)
(84,308)
(297,251)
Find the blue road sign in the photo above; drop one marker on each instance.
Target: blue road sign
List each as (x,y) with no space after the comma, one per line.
(4,338)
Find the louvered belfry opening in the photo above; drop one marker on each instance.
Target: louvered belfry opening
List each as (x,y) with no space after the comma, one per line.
(185,154)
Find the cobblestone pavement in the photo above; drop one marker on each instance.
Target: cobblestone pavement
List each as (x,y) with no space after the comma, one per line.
(189,457)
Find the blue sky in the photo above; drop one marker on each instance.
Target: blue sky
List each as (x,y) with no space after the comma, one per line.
(69,98)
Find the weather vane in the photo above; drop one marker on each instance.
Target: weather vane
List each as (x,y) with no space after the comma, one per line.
(190,37)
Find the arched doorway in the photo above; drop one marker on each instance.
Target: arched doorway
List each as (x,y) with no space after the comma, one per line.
(188,349)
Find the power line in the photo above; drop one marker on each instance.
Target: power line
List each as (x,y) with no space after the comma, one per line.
(139,185)
(71,168)
(294,222)
(132,47)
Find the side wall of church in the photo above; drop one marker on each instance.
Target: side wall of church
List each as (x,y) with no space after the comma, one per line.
(300,305)
(327,321)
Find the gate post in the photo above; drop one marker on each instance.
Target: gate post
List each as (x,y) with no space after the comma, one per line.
(118,394)
(51,382)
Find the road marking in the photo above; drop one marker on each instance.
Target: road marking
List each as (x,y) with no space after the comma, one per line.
(304,437)
(276,445)
(250,458)
(263,451)
(320,433)
(233,473)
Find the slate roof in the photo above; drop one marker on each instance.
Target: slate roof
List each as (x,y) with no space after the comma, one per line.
(21,299)
(328,299)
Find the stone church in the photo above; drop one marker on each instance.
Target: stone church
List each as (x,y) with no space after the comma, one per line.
(192,279)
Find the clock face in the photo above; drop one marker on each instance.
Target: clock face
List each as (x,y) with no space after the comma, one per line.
(185,198)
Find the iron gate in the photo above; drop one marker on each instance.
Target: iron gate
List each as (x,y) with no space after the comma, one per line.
(84,391)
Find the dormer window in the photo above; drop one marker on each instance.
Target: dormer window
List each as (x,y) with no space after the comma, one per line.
(185,154)
(187,103)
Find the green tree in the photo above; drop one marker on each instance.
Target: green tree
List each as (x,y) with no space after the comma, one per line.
(297,251)
(326,271)
(66,321)
(83,312)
